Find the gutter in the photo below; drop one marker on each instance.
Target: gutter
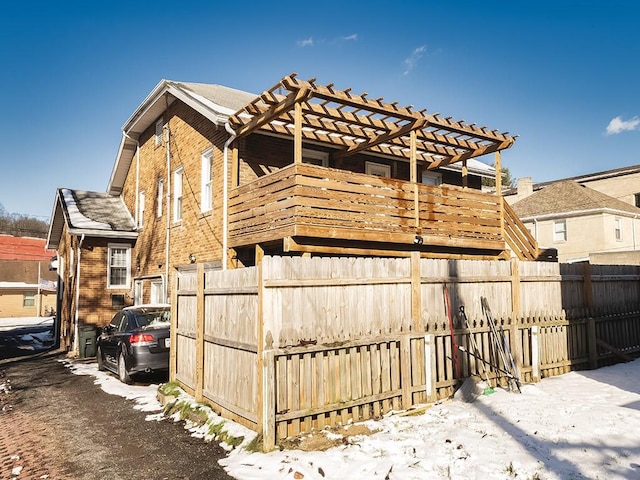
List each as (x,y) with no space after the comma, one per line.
(165,284)
(225,195)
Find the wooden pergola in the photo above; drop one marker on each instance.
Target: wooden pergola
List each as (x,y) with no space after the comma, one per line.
(314,209)
(353,123)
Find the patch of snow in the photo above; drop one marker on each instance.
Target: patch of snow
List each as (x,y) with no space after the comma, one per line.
(581,425)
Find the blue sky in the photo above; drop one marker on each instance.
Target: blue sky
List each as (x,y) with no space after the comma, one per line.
(562,75)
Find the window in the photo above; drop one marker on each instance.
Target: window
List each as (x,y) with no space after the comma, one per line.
(432,178)
(315,157)
(72,267)
(637,199)
(137,292)
(377,169)
(117,301)
(560,231)
(618,228)
(157,292)
(177,195)
(141,210)
(160,197)
(206,192)
(29,299)
(119,268)
(159,130)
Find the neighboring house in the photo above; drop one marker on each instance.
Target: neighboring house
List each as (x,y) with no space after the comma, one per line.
(582,223)
(93,234)
(212,175)
(27,286)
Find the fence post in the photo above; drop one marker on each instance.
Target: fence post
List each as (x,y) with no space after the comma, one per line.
(405,373)
(430,367)
(199,393)
(587,287)
(268,400)
(535,355)
(173,355)
(592,343)
(516,340)
(416,300)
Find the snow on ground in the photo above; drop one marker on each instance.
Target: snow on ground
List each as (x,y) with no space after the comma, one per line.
(581,425)
(11,323)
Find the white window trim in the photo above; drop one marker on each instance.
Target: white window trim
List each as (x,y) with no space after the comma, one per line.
(157,291)
(309,155)
(618,229)
(206,181)
(177,194)
(127,247)
(160,197)
(556,233)
(377,169)
(431,178)
(141,199)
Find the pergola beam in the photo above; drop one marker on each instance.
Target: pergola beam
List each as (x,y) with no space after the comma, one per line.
(354,123)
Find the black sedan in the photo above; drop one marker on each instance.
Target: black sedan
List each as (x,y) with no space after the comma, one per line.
(136,341)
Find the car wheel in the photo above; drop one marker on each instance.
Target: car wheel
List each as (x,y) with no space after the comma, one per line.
(122,370)
(100,359)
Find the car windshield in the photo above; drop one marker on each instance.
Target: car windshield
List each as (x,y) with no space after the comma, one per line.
(160,318)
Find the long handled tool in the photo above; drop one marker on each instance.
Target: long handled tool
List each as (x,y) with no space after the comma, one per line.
(498,344)
(476,352)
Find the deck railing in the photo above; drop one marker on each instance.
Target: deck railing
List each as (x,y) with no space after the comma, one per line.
(311,201)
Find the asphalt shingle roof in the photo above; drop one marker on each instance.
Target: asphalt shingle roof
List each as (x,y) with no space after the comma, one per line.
(568,196)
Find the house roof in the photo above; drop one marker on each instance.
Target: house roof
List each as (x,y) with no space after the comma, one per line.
(589,177)
(569,197)
(215,102)
(94,214)
(24,248)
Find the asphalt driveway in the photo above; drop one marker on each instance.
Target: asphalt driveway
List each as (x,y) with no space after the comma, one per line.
(57,425)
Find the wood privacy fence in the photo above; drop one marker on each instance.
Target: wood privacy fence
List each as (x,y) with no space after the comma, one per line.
(300,343)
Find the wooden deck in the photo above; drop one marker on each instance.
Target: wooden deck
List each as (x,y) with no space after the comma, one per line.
(315,208)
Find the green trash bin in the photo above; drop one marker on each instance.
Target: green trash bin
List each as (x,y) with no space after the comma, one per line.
(87,335)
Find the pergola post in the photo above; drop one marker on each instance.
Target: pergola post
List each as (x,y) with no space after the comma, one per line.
(413,176)
(297,134)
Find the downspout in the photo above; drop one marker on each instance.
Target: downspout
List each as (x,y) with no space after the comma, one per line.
(165,283)
(225,194)
(76,331)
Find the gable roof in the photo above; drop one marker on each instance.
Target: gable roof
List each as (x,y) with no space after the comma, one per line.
(94,214)
(569,198)
(215,102)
